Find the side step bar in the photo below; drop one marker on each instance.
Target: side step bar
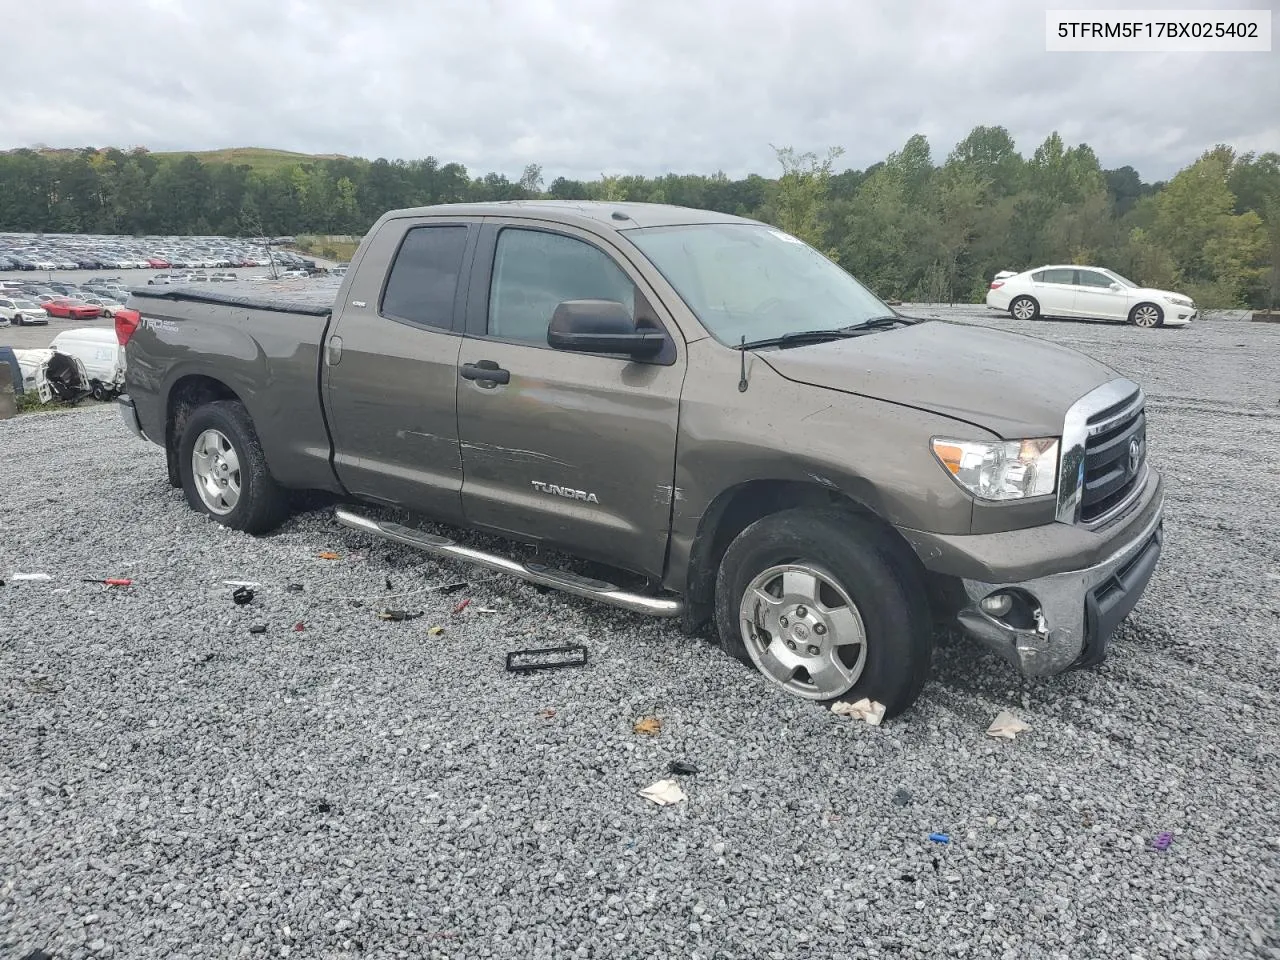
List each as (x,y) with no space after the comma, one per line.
(533,572)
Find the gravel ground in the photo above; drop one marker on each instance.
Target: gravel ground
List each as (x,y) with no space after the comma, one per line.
(173,786)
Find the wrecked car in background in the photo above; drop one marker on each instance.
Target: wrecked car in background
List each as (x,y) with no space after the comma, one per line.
(696,398)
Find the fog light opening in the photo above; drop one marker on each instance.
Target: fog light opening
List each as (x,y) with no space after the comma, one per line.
(1013,608)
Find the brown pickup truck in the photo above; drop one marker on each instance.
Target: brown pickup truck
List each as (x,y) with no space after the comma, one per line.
(700,402)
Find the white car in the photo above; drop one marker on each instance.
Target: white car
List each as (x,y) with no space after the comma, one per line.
(1091,293)
(109,307)
(20,311)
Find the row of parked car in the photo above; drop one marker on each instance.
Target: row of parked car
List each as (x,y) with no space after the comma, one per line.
(84,252)
(25,302)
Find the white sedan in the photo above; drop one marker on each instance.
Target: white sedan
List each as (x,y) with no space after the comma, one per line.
(1091,293)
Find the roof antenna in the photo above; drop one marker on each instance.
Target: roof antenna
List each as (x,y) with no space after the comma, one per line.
(742,376)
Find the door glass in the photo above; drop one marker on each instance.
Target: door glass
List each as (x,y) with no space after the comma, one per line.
(1059,276)
(533,271)
(424,276)
(1088,278)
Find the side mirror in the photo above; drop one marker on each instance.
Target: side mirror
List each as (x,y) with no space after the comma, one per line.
(601,326)
(1113,285)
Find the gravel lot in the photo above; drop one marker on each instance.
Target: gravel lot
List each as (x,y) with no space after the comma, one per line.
(173,786)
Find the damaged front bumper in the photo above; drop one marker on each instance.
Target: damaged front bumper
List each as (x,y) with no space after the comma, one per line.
(1071,616)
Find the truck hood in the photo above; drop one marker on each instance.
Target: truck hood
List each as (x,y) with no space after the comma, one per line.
(1013,385)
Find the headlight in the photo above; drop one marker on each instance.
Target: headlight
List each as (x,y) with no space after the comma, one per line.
(1181,301)
(1001,469)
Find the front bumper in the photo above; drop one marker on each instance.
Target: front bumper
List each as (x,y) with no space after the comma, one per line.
(129,414)
(1078,584)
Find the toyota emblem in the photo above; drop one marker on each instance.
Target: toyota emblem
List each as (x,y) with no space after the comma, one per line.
(1135,454)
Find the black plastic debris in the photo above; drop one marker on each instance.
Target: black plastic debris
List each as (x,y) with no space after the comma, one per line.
(38,954)
(323,806)
(398,615)
(682,768)
(242,595)
(546,658)
(294,588)
(453,587)
(389,586)
(903,797)
(258,628)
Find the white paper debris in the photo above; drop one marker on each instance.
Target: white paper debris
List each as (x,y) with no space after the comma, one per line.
(240,583)
(663,792)
(868,710)
(1006,725)
(30,576)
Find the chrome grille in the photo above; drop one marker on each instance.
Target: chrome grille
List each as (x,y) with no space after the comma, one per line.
(1103,453)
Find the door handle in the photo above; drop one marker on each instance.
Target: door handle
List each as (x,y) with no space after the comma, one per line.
(484,371)
(334,353)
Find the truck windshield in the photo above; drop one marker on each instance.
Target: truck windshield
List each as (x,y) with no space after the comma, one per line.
(749,280)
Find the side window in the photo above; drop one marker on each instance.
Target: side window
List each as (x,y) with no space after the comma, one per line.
(1089,278)
(533,271)
(1038,276)
(424,276)
(1059,276)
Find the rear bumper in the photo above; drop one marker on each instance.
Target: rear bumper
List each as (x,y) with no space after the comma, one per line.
(129,414)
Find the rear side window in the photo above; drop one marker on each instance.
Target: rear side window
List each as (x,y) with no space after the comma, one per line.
(533,271)
(1059,276)
(424,276)
(1038,276)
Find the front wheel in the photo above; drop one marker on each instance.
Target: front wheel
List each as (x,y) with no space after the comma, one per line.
(224,472)
(1147,315)
(824,605)
(18,320)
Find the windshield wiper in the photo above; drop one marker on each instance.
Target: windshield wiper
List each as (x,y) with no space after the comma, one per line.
(800,337)
(876,323)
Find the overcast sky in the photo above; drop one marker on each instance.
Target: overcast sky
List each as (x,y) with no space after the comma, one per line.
(589,86)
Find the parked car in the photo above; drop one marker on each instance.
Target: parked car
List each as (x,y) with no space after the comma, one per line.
(71,309)
(21,312)
(696,400)
(106,305)
(99,350)
(1091,293)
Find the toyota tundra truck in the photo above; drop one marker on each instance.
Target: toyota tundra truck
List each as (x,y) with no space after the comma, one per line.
(701,403)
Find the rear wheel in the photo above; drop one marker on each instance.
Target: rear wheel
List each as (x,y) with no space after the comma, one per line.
(1147,315)
(99,390)
(224,472)
(822,603)
(1024,308)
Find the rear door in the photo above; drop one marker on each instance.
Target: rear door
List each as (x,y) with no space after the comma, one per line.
(1055,290)
(1095,298)
(390,372)
(576,450)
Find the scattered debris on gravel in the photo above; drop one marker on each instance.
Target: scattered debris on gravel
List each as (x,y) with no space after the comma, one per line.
(174,784)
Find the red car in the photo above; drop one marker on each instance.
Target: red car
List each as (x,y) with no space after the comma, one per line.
(157,263)
(72,309)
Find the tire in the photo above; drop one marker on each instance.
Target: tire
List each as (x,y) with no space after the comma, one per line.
(18,321)
(248,498)
(1024,308)
(1147,316)
(857,569)
(99,391)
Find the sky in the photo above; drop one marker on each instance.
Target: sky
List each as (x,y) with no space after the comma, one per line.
(585,87)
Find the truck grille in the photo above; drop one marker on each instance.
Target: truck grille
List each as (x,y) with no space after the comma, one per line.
(1114,457)
(1104,453)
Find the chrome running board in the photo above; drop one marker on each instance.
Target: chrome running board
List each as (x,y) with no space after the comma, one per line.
(533,572)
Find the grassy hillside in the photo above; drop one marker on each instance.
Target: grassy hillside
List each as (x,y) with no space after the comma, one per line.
(259,158)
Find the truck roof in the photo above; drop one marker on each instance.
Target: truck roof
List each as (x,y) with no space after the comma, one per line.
(616,214)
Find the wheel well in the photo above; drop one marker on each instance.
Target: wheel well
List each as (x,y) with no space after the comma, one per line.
(186,396)
(738,507)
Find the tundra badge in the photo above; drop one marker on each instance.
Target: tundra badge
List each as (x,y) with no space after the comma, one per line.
(567,492)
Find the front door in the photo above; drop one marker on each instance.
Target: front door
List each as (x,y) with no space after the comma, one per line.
(574,450)
(391,369)
(1095,298)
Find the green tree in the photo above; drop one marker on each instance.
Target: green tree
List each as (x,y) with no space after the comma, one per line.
(801,194)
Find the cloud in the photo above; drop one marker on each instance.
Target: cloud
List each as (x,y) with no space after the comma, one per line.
(590,86)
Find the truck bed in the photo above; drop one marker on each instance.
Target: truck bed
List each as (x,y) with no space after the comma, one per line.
(312,296)
(257,342)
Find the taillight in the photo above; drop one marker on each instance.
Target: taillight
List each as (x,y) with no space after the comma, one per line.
(997,284)
(126,323)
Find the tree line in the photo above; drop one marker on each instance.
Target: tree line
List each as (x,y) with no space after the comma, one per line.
(909,227)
